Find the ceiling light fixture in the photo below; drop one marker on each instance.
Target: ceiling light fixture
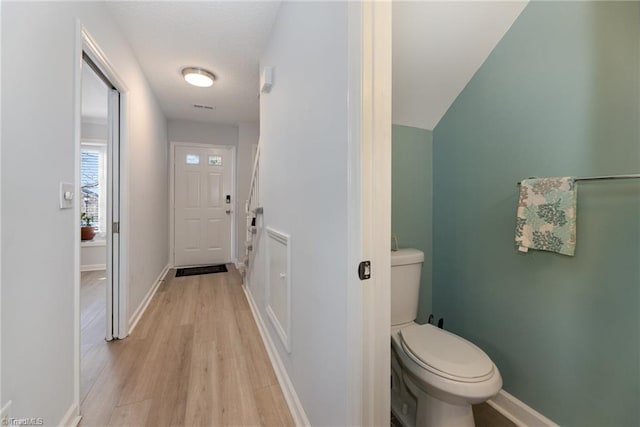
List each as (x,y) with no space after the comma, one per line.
(198,76)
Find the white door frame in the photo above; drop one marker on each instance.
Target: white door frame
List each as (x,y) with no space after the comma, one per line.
(234,202)
(113,216)
(369,110)
(84,42)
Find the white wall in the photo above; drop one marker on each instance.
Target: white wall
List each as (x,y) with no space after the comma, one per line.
(303,188)
(93,255)
(38,279)
(248,134)
(437,48)
(93,129)
(202,133)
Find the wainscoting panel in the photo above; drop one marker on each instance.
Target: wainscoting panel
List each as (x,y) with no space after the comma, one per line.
(278,284)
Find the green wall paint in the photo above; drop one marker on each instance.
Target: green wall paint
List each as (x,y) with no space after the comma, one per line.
(559,96)
(411,211)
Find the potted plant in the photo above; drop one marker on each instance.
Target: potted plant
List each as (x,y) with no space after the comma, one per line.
(87,232)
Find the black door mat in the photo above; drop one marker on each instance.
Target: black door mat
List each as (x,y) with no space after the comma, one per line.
(207,269)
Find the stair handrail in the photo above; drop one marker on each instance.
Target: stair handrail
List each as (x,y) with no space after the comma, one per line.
(251,212)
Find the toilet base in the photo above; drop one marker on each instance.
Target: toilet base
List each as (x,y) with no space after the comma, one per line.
(415,408)
(403,403)
(404,410)
(433,412)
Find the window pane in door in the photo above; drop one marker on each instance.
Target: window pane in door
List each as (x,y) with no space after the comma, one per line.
(193,159)
(215,160)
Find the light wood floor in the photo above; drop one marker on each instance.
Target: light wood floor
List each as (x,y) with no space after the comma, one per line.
(195,358)
(93,326)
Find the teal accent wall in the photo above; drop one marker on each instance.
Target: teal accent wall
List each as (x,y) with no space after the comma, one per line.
(411,204)
(558,96)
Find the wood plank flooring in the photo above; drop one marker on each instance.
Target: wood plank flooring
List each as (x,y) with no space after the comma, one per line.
(92,327)
(196,358)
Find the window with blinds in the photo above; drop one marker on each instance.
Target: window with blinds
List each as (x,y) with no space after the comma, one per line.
(93,184)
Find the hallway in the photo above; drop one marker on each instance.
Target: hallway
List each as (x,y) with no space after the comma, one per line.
(195,358)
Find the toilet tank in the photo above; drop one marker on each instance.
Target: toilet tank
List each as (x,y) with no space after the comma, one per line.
(406,268)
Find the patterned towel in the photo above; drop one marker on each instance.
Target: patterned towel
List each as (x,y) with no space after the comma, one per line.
(546,218)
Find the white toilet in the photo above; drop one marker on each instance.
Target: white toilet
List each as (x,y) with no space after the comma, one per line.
(435,375)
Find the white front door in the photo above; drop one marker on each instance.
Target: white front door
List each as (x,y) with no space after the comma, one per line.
(203,205)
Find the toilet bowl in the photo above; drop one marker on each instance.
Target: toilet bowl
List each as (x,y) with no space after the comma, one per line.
(436,375)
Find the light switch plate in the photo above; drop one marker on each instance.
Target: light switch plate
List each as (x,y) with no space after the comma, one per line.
(67,195)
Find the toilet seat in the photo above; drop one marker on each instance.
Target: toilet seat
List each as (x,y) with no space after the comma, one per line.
(445,354)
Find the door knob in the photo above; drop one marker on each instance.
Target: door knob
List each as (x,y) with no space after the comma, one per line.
(228,211)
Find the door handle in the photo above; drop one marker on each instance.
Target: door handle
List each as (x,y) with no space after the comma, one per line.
(228,211)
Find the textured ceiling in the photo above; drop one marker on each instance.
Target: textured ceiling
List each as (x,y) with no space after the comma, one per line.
(437,48)
(224,37)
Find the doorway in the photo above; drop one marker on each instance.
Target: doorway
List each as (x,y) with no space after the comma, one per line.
(203,200)
(98,197)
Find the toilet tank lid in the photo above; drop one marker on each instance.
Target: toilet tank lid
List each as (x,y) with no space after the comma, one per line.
(406,256)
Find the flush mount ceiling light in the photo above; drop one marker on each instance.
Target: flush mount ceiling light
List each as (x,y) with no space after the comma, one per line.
(198,76)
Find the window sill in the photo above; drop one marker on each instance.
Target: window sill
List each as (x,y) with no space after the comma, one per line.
(96,242)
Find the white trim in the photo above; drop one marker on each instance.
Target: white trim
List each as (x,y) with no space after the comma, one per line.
(519,412)
(96,54)
(103,184)
(93,243)
(85,43)
(113,290)
(123,279)
(293,402)
(284,331)
(376,210)
(93,141)
(77,131)
(91,48)
(234,206)
(71,418)
(275,322)
(92,267)
(135,317)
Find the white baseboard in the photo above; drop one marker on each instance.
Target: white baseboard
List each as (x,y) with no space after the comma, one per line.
(93,267)
(133,321)
(519,412)
(290,395)
(72,417)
